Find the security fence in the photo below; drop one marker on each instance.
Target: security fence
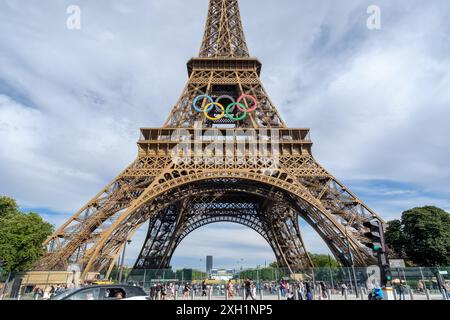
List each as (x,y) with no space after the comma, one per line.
(421,283)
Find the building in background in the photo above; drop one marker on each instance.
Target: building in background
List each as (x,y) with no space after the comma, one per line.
(222,274)
(209,264)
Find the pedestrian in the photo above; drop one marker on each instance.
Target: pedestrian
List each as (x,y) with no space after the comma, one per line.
(195,288)
(248,289)
(323,287)
(343,288)
(153,292)
(38,293)
(447,289)
(309,291)
(204,287)
(400,288)
(301,291)
(163,291)
(186,290)
(283,288)
(46,295)
(420,286)
(230,289)
(444,289)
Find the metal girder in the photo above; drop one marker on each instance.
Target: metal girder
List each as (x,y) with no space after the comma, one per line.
(211,206)
(224,35)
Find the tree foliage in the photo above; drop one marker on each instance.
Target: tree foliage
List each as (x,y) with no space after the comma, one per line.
(421,236)
(8,206)
(323,261)
(21,236)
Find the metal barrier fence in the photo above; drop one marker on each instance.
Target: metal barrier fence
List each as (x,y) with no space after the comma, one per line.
(419,283)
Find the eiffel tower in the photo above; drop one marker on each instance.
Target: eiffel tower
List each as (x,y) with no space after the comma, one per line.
(246,167)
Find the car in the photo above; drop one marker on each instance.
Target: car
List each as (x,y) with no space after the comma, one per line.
(138,298)
(102,292)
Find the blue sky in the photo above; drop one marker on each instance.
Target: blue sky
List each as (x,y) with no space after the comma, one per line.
(72,101)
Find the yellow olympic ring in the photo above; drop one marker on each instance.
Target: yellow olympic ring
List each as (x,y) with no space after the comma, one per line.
(205,111)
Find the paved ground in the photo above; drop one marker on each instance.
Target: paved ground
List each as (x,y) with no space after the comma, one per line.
(333,297)
(275,297)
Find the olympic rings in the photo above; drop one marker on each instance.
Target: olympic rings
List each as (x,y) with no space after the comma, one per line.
(228,111)
(214,104)
(230,115)
(202,96)
(251,97)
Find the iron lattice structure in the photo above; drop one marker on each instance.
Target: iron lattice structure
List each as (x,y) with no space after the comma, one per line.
(267,191)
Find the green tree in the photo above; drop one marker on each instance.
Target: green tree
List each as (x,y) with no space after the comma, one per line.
(21,236)
(323,261)
(395,239)
(319,260)
(273,265)
(8,206)
(421,236)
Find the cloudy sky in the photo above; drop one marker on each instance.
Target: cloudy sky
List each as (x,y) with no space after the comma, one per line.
(72,101)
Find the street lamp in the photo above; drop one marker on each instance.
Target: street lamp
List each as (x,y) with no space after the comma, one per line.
(352,262)
(123,259)
(128,241)
(241,263)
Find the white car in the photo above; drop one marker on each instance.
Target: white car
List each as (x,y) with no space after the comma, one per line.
(138,298)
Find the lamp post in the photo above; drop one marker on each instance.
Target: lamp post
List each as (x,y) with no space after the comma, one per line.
(123,259)
(241,264)
(128,241)
(352,262)
(331,272)
(257,275)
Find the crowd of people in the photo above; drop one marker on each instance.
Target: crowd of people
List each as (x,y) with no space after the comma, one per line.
(249,289)
(165,291)
(49,291)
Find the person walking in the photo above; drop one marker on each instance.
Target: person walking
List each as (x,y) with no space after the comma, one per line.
(400,289)
(323,287)
(153,292)
(38,293)
(445,289)
(46,295)
(301,291)
(420,287)
(163,291)
(343,288)
(309,291)
(186,290)
(283,288)
(248,288)
(204,288)
(171,289)
(230,290)
(254,288)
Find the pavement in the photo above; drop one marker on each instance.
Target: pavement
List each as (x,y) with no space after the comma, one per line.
(337,297)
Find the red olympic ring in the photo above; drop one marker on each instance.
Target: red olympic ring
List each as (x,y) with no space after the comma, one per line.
(252,98)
